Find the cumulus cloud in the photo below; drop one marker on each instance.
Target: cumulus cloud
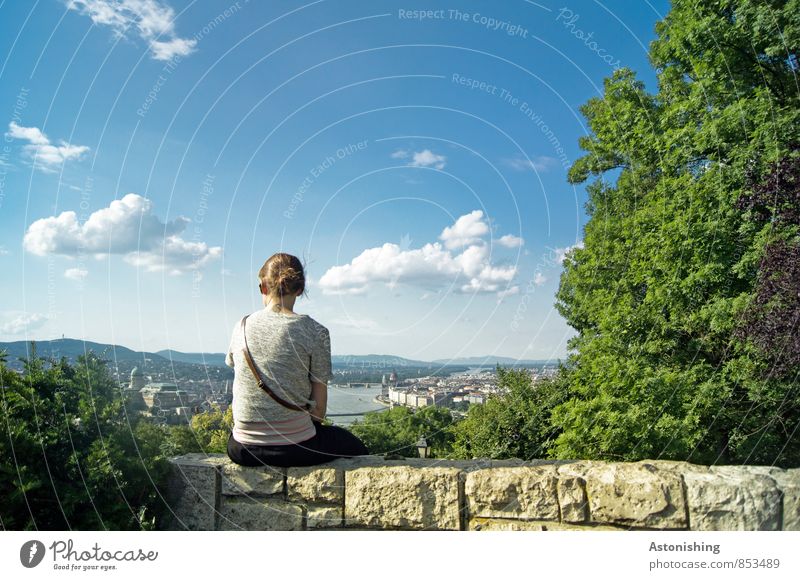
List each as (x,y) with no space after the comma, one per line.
(76,273)
(39,148)
(23,322)
(539,279)
(559,254)
(151,19)
(175,256)
(399,154)
(462,260)
(537,163)
(506,293)
(467,230)
(510,241)
(127,227)
(427,158)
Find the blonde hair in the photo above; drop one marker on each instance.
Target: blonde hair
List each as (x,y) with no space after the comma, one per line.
(282,275)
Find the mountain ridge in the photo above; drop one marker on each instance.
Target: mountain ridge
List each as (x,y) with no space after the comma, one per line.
(73,347)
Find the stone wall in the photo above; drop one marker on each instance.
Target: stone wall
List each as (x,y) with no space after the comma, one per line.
(209,492)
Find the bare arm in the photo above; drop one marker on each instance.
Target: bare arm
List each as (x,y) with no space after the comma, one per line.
(319,394)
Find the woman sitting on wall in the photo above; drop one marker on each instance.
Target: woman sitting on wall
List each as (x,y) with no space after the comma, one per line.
(282,365)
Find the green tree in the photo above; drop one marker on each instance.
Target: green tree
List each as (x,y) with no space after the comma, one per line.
(72,458)
(212,429)
(671,256)
(397,431)
(515,424)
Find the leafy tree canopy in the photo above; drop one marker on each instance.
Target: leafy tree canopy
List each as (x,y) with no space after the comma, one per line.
(673,261)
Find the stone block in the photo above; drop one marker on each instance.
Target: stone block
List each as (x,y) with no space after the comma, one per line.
(315,484)
(192,493)
(788,481)
(732,498)
(243,513)
(501,525)
(348,463)
(634,494)
(238,480)
(324,516)
(401,497)
(572,499)
(513,492)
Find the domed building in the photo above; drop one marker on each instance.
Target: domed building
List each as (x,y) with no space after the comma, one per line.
(137,379)
(132,395)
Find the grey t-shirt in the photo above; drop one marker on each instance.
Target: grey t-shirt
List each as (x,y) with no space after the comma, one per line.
(291,351)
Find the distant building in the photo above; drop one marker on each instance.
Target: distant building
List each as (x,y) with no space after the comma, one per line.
(137,379)
(475,398)
(167,402)
(397,396)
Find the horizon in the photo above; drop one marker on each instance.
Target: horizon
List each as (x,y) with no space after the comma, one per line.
(415,161)
(222,353)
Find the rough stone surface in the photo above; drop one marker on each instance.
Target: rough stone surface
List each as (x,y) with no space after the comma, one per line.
(238,480)
(513,492)
(209,492)
(572,499)
(315,484)
(789,483)
(259,514)
(635,494)
(192,493)
(735,498)
(499,524)
(324,516)
(399,497)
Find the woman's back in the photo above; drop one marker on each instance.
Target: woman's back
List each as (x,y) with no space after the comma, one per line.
(291,351)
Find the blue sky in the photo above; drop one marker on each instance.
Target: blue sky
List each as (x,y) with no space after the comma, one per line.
(414,155)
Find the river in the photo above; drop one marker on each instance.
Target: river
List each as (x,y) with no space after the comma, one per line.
(351,400)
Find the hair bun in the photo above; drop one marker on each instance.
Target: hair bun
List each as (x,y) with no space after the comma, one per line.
(283,274)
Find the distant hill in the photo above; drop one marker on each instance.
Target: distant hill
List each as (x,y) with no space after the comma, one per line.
(376,360)
(216,359)
(72,349)
(491,360)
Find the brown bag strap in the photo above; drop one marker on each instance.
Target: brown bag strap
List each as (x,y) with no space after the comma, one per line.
(260,379)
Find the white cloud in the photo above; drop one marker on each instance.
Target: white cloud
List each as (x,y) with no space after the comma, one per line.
(432,266)
(467,230)
(510,241)
(362,324)
(427,158)
(168,50)
(559,254)
(151,19)
(175,256)
(76,273)
(537,163)
(539,279)
(4,251)
(39,148)
(128,227)
(399,154)
(23,322)
(506,293)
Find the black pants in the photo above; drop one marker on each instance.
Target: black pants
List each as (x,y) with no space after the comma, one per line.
(329,443)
